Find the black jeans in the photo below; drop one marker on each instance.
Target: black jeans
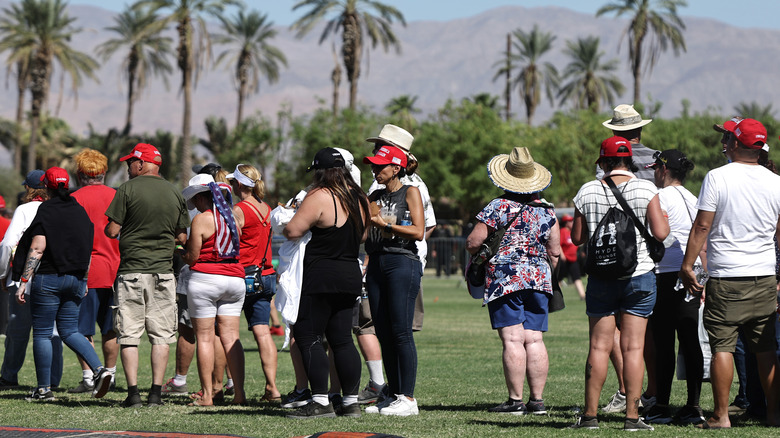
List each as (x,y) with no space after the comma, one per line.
(672,313)
(329,315)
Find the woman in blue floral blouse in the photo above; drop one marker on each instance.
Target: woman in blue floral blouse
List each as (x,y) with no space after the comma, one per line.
(518,283)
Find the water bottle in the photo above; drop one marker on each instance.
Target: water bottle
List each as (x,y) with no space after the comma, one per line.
(407,220)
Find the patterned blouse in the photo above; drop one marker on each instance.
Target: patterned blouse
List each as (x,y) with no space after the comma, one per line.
(521,261)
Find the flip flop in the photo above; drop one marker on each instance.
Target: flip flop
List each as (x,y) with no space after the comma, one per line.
(707,425)
(196,403)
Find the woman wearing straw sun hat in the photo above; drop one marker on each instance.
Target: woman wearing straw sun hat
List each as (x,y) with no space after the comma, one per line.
(518,282)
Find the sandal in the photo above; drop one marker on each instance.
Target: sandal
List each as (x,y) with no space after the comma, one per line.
(196,403)
(267,397)
(217,398)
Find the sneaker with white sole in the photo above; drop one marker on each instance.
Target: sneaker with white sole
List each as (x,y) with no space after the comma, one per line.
(372,393)
(382,403)
(510,407)
(40,394)
(583,423)
(296,399)
(536,407)
(82,388)
(101,383)
(633,426)
(617,404)
(171,388)
(401,407)
(689,415)
(313,410)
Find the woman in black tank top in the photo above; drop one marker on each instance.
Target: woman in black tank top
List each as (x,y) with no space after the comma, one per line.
(331,281)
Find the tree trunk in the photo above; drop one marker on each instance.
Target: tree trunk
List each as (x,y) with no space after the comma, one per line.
(508,91)
(351,51)
(39,77)
(132,69)
(637,69)
(186,66)
(335,77)
(21,88)
(242,75)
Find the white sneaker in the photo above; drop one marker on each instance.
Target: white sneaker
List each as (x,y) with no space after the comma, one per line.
(617,404)
(382,403)
(401,407)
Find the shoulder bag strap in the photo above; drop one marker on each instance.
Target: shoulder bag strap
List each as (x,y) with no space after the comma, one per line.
(685,202)
(628,210)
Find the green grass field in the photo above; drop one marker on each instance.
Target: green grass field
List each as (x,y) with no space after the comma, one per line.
(459,377)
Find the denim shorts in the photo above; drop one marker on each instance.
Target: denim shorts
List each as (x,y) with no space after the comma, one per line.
(527,307)
(257,307)
(635,296)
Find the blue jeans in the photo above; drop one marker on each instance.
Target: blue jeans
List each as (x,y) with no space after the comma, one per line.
(393,281)
(57,297)
(17,337)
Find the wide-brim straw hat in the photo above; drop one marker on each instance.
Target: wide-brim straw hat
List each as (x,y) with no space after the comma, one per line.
(625,118)
(518,173)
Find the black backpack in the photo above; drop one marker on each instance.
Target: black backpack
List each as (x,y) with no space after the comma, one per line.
(612,249)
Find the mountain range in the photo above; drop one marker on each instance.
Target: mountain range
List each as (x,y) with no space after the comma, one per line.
(723,66)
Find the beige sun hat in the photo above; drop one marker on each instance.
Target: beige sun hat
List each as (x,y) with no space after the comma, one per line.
(625,118)
(518,173)
(395,136)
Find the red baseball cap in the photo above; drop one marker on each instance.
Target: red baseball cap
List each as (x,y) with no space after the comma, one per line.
(54,176)
(610,146)
(2,202)
(387,155)
(567,218)
(748,132)
(144,152)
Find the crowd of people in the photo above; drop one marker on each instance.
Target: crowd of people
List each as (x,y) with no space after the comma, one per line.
(181,266)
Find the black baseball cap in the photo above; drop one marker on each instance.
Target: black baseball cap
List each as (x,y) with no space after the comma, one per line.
(671,158)
(327,158)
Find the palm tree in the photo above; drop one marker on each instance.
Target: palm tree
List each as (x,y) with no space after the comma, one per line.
(355,24)
(139,31)
(251,53)
(653,19)
(590,81)
(754,110)
(401,108)
(190,57)
(532,76)
(12,20)
(41,36)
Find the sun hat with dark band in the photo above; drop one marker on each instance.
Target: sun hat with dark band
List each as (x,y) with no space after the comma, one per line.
(518,173)
(625,118)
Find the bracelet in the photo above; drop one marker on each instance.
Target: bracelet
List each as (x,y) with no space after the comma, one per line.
(24,280)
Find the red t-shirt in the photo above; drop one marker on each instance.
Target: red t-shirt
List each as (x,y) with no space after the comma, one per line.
(254,237)
(4,223)
(105,252)
(568,248)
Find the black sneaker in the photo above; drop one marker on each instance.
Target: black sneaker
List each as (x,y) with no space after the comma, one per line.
(132,401)
(583,423)
(7,384)
(352,410)
(295,399)
(336,400)
(372,392)
(536,407)
(40,394)
(658,415)
(634,425)
(689,415)
(510,407)
(313,410)
(154,400)
(82,388)
(101,383)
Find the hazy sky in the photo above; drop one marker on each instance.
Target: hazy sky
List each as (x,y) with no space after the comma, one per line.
(742,13)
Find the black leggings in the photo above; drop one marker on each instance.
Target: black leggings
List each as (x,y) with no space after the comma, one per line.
(672,313)
(330,315)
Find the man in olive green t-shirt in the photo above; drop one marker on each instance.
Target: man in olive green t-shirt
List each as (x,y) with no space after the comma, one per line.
(152,217)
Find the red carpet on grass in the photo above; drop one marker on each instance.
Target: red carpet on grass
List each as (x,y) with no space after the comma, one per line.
(27,432)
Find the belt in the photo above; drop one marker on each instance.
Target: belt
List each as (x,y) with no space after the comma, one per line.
(219,261)
(754,278)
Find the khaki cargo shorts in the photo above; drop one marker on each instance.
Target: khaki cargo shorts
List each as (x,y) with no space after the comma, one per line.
(145,302)
(746,303)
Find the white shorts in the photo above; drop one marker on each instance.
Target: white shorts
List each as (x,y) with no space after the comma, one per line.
(209,295)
